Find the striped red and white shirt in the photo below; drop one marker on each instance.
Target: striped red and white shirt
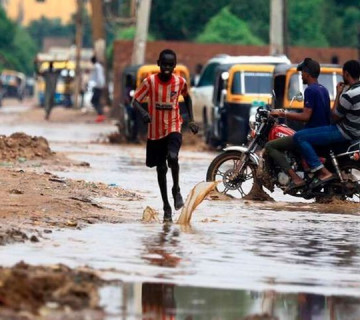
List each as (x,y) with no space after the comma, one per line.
(163,104)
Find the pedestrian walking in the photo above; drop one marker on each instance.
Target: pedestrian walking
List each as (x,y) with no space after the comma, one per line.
(98,78)
(164,124)
(50,76)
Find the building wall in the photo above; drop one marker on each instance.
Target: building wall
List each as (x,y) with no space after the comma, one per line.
(33,10)
(190,54)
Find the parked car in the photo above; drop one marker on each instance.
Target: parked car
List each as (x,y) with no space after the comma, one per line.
(132,77)
(239,89)
(202,93)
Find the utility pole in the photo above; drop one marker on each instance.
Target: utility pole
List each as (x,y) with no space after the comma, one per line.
(278,27)
(79,36)
(142,26)
(98,29)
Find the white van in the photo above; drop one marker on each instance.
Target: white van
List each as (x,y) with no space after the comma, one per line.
(202,93)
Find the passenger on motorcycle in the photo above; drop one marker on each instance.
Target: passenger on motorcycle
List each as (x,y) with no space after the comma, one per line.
(347,116)
(316,113)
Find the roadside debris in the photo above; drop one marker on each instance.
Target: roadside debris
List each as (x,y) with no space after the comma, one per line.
(150,215)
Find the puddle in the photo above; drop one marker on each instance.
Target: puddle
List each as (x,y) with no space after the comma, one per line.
(168,301)
(256,252)
(237,259)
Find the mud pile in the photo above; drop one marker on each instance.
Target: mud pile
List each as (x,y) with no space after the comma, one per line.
(11,236)
(21,146)
(42,290)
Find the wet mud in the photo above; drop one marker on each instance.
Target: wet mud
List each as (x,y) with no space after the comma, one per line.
(190,142)
(21,147)
(12,236)
(55,292)
(32,202)
(257,193)
(335,206)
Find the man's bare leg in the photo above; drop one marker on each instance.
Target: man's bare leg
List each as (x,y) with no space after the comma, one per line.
(161,175)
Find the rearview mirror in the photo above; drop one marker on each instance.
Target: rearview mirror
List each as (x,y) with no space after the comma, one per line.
(299,97)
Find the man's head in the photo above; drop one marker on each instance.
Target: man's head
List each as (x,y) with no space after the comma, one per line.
(167,61)
(351,71)
(310,70)
(51,65)
(93,59)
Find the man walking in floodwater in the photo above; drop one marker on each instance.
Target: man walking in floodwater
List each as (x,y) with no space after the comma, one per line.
(164,124)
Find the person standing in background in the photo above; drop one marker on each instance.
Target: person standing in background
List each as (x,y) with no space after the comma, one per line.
(98,78)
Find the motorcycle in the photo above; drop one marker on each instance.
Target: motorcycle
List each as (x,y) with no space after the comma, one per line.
(239,169)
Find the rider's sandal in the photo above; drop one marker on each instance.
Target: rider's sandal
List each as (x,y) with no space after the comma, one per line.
(292,186)
(317,182)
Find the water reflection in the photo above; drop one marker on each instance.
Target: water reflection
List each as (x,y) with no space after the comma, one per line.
(170,301)
(312,246)
(161,249)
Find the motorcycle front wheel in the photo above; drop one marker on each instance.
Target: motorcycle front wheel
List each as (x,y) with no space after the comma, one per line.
(232,183)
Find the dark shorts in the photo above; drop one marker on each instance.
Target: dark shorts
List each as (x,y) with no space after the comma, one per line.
(158,150)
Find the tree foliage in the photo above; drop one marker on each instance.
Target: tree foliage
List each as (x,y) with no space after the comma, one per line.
(44,27)
(319,23)
(17,48)
(225,27)
(182,20)
(305,23)
(256,14)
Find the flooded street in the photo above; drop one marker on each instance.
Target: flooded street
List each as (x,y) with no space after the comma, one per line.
(238,258)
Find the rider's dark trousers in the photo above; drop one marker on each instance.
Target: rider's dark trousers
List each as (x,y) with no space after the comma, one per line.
(275,149)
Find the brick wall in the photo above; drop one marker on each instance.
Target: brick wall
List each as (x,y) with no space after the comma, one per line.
(190,54)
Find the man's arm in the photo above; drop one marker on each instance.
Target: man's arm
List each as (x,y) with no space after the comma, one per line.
(298,116)
(144,114)
(336,111)
(192,125)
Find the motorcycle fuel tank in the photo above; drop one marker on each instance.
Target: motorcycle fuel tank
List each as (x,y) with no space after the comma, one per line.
(280,131)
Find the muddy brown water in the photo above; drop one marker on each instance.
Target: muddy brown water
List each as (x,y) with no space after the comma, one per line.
(237,259)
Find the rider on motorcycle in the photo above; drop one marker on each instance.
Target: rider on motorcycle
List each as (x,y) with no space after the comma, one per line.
(347,114)
(316,113)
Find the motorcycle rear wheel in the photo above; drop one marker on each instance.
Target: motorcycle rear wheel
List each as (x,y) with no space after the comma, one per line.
(222,169)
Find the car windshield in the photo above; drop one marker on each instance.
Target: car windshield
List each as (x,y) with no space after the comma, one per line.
(254,83)
(207,78)
(328,80)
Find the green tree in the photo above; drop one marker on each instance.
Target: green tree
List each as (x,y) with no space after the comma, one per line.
(7,30)
(305,22)
(351,26)
(44,27)
(227,28)
(17,48)
(24,50)
(182,20)
(256,13)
